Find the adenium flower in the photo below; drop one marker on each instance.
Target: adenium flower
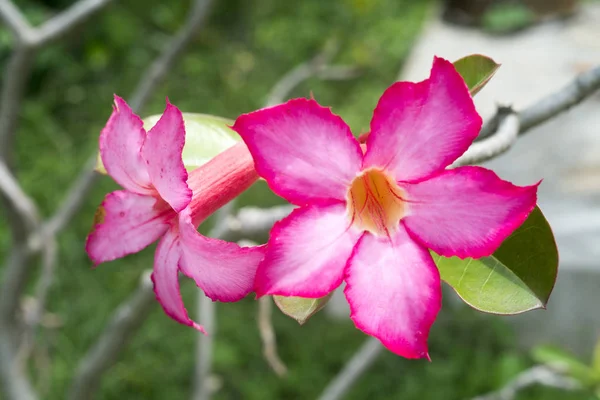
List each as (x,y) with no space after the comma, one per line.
(370,217)
(160,201)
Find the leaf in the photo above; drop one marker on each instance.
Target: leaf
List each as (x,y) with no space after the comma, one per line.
(205,137)
(300,308)
(518,277)
(567,363)
(476,70)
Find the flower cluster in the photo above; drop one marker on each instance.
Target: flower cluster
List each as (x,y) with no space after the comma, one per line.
(367,214)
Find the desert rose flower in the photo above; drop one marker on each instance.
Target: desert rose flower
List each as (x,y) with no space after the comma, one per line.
(160,201)
(370,217)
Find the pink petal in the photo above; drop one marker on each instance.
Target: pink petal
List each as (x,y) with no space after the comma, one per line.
(162,153)
(120,143)
(466,212)
(223,270)
(304,151)
(128,222)
(420,128)
(394,292)
(307,253)
(166,279)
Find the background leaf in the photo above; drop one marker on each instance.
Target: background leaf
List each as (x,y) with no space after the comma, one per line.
(476,70)
(300,308)
(518,277)
(567,363)
(205,137)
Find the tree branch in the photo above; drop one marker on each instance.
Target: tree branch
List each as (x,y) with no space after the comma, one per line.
(492,146)
(125,322)
(354,368)
(16,22)
(538,375)
(67,20)
(20,201)
(267,335)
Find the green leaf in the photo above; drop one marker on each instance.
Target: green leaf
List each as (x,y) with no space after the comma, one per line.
(567,363)
(205,137)
(476,70)
(300,308)
(518,277)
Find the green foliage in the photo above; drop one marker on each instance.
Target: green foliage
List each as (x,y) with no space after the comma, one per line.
(518,277)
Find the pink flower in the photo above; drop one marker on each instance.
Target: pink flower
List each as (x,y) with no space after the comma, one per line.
(161,202)
(369,218)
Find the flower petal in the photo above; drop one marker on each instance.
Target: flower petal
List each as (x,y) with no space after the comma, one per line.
(304,151)
(126,222)
(394,292)
(162,153)
(307,253)
(121,141)
(466,212)
(165,277)
(223,270)
(420,128)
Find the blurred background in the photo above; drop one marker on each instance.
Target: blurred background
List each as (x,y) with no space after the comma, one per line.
(230,68)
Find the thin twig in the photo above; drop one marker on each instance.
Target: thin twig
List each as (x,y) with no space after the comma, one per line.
(20,201)
(67,20)
(315,67)
(358,364)
(554,104)
(538,375)
(123,325)
(125,322)
(16,22)
(492,146)
(267,335)
(206,317)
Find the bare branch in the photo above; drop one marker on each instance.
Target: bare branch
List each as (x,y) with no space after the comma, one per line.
(15,385)
(78,192)
(16,22)
(492,146)
(20,201)
(316,67)
(67,20)
(74,199)
(267,334)
(251,222)
(552,105)
(123,325)
(538,375)
(204,352)
(206,317)
(159,68)
(358,364)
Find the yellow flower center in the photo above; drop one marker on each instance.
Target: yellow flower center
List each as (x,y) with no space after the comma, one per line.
(375,203)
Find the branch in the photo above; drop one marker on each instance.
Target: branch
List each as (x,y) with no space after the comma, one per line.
(20,201)
(66,20)
(552,105)
(155,73)
(126,320)
(15,21)
(123,325)
(492,146)
(317,66)
(251,222)
(358,364)
(538,375)
(206,317)
(15,384)
(267,334)
(204,347)
(174,48)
